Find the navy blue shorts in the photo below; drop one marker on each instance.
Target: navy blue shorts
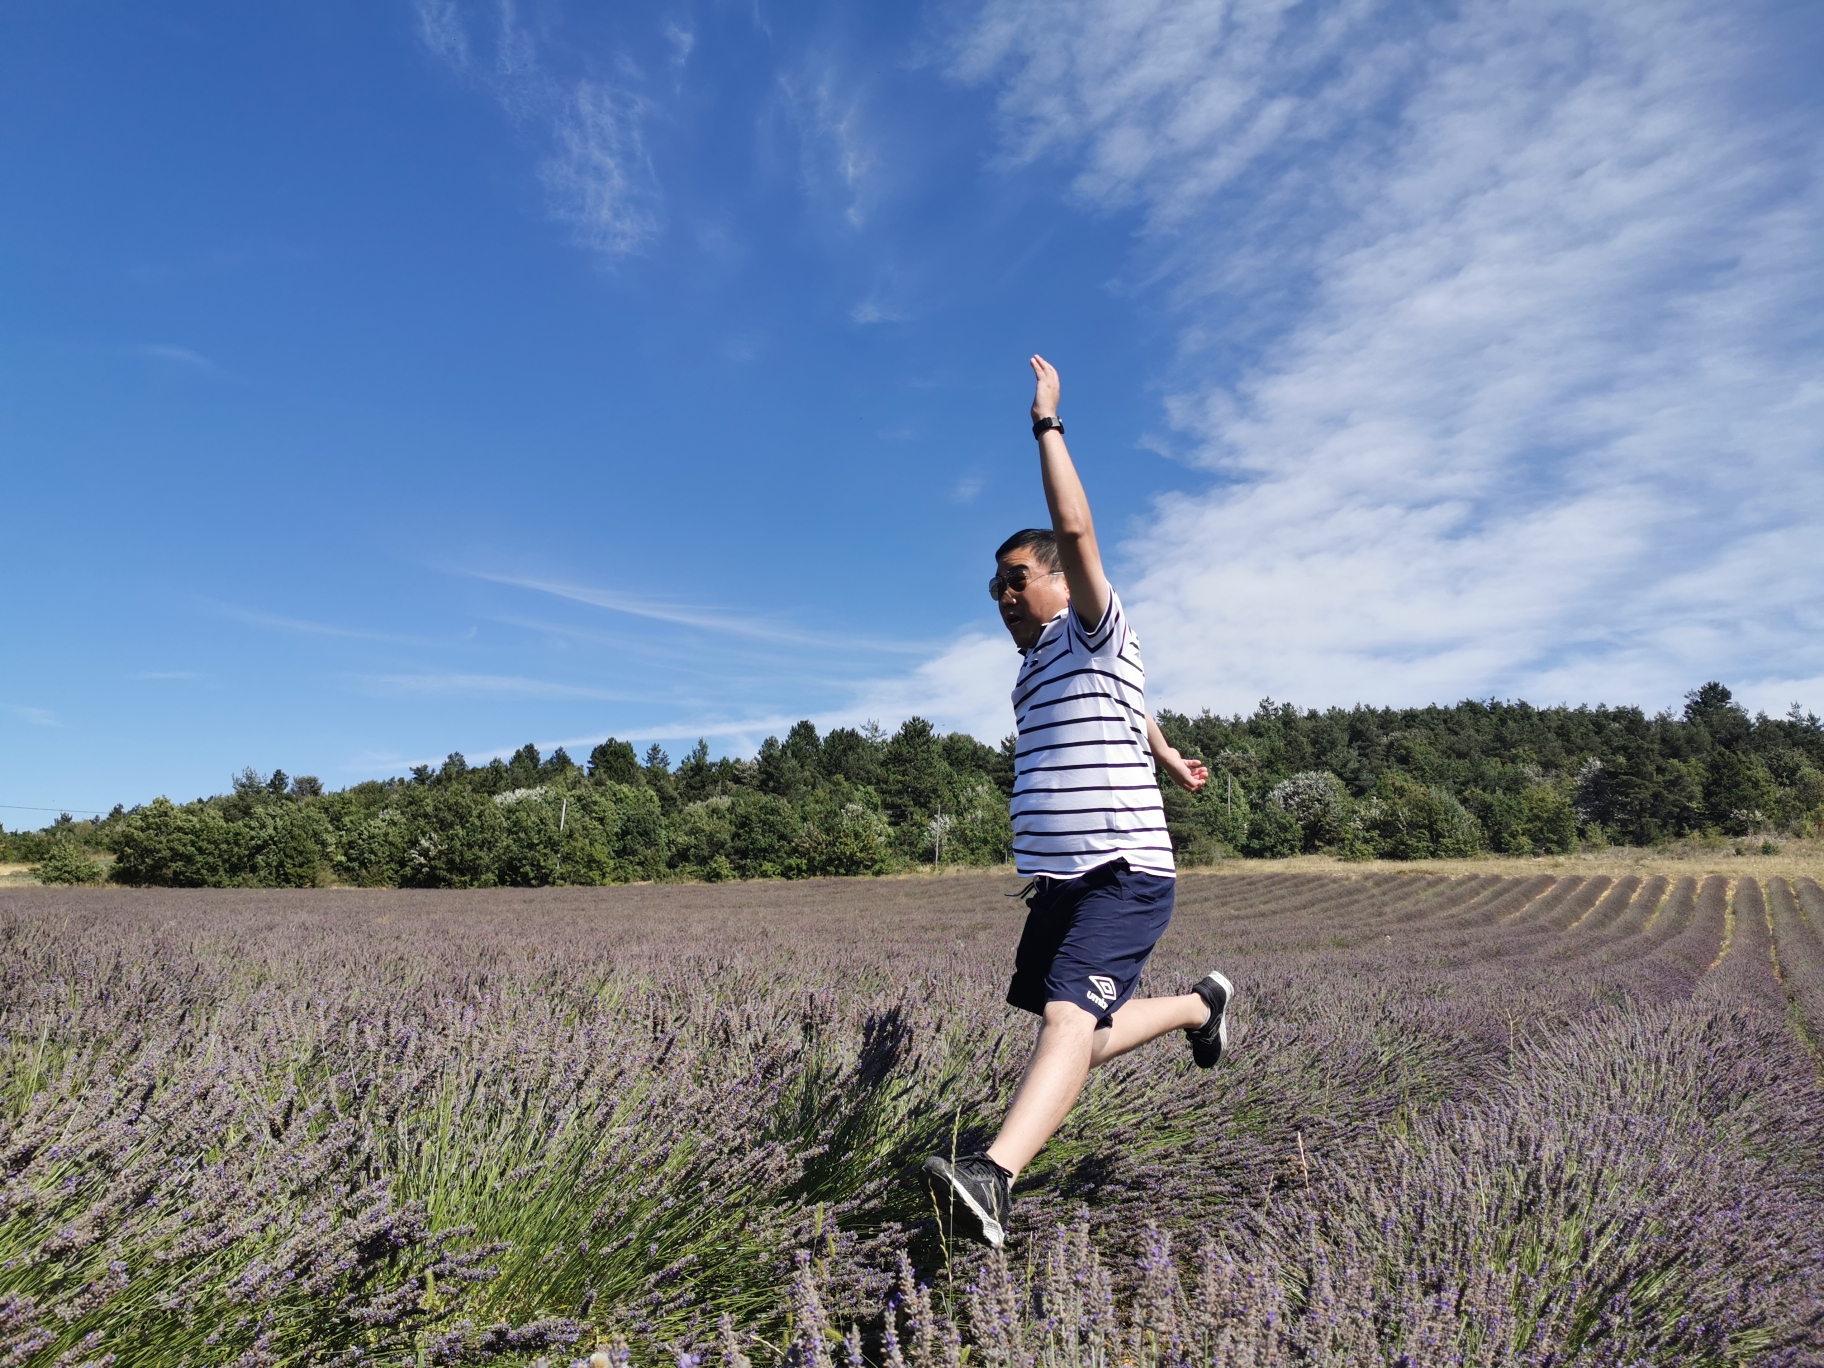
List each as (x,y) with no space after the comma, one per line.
(1087,939)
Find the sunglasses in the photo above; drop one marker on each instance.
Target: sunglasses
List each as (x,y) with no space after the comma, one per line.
(1015,579)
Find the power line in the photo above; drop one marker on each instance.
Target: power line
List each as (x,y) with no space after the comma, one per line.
(20,807)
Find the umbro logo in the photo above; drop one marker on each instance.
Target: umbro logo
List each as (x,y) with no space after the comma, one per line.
(1101,989)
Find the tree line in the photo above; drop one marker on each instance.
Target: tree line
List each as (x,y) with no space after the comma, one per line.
(1360,783)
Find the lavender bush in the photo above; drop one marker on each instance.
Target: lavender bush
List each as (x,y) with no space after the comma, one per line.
(1465,1120)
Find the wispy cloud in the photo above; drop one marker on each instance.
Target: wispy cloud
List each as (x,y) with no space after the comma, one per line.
(597,177)
(38,717)
(166,674)
(596,174)
(456,685)
(722,621)
(1528,300)
(874,310)
(742,347)
(304,627)
(181,356)
(838,157)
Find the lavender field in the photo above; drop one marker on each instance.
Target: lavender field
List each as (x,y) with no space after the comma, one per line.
(1465,1119)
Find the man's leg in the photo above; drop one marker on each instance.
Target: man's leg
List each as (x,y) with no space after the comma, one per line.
(1142,1019)
(1049,1087)
(1069,1046)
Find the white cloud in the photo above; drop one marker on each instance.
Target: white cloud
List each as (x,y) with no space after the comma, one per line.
(594,168)
(1532,404)
(967,687)
(38,717)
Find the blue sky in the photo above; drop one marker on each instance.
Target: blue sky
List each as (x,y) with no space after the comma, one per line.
(381,380)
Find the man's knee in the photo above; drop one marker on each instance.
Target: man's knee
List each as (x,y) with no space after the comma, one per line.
(1068,1018)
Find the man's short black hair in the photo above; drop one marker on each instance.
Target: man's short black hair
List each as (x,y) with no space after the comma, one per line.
(1042,541)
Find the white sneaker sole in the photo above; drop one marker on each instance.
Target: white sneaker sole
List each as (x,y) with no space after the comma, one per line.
(1228,996)
(1222,1022)
(937,1169)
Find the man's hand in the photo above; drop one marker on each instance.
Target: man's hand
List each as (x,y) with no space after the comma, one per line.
(1189,775)
(1045,394)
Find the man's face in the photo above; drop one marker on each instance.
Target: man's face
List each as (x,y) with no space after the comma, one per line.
(1025,611)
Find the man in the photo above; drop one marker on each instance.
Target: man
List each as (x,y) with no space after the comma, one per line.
(1088,826)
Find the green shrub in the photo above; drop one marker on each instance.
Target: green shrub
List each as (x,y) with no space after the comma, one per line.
(287,845)
(701,834)
(763,834)
(981,832)
(530,852)
(1206,826)
(1273,834)
(1319,804)
(639,837)
(372,848)
(167,846)
(68,863)
(1739,794)
(1548,822)
(456,835)
(1407,820)
(845,837)
(1537,820)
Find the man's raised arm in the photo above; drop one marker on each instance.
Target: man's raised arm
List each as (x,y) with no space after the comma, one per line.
(1070,520)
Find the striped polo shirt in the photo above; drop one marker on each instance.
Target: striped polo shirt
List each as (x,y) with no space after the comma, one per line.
(1084,792)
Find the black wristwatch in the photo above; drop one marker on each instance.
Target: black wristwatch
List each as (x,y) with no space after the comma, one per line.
(1045,425)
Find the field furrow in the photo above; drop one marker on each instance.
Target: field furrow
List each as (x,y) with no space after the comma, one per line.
(1683,957)
(1627,938)
(1799,950)
(1675,914)
(1607,909)
(1811,903)
(1745,972)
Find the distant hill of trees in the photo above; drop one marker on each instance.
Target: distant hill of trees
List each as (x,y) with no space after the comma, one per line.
(1409,783)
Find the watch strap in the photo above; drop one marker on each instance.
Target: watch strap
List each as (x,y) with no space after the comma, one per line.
(1048,424)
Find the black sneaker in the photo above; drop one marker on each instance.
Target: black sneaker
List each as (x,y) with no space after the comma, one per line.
(1209,1040)
(971,1195)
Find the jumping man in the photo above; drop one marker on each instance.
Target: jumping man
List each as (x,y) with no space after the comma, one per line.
(1088,827)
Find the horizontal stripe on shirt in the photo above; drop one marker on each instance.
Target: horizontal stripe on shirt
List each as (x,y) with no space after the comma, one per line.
(1089,675)
(1077,722)
(1060,746)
